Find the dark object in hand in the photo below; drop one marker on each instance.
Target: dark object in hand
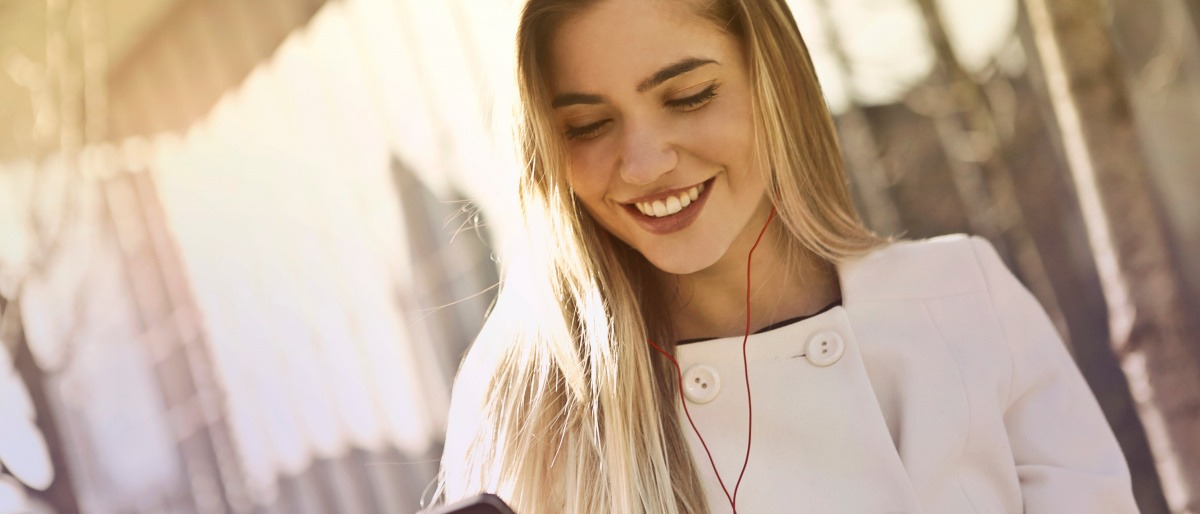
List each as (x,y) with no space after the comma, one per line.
(486,503)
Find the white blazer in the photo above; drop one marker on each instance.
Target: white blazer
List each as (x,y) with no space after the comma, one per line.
(939,386)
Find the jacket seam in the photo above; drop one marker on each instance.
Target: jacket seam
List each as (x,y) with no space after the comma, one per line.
(1012,361)
(966,397)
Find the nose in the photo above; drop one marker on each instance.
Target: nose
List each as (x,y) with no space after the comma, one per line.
(647,154)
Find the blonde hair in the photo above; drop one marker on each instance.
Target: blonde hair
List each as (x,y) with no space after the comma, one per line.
(561,405)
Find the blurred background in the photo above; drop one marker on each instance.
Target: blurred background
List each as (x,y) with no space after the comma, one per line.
(244,243)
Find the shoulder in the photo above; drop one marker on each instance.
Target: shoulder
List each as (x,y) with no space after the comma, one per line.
(932,268)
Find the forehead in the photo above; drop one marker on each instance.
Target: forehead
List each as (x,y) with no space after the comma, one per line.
(618,43)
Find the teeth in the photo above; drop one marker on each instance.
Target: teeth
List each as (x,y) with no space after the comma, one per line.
(670,205)
(673,205)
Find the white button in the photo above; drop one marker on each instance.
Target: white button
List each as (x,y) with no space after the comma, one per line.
(701,383)
(824,349)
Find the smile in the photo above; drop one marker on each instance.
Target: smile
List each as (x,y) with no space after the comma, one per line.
(672,212)
(670,205)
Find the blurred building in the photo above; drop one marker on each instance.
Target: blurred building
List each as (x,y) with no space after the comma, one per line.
(239,267)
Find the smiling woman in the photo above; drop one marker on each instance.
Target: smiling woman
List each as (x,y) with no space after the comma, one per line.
(649,133)
(694,241)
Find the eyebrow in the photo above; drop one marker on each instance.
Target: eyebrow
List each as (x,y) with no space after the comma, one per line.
(566,99)
(673,70)
(667,73)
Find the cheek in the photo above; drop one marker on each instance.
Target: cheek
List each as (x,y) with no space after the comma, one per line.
(589,188)
(589,175)
(724,133)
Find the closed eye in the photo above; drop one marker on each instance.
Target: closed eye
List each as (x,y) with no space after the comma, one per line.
(585,132)
(694,101)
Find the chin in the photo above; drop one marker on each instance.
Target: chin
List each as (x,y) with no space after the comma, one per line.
(682,261)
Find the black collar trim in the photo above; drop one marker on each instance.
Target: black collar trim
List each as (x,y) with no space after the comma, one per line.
(773,326)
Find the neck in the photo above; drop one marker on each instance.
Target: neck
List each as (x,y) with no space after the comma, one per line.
(712,302)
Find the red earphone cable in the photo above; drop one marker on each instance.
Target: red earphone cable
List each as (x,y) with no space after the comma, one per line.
(746,371)
(712,462)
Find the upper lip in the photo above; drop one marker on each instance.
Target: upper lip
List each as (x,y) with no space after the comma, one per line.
(662,194)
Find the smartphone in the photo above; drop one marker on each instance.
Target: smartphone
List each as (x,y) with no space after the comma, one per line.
(486,503)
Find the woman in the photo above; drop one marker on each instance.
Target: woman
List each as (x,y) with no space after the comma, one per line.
(684,180)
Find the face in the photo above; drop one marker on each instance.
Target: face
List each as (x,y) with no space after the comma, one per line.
(653,103)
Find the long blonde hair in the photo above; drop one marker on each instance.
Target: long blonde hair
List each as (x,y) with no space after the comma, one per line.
(561,405)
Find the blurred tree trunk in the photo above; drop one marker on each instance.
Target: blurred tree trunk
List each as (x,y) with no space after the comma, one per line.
(975,150)
(869,177)
(1151,332)
(974,146)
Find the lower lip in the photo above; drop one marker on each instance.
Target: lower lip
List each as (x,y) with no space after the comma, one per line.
(675,222)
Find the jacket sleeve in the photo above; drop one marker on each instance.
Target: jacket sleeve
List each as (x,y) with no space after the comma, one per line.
(1066,456)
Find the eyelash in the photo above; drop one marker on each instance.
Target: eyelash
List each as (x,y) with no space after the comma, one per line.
(695,100)
(683,104)
(585,131)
